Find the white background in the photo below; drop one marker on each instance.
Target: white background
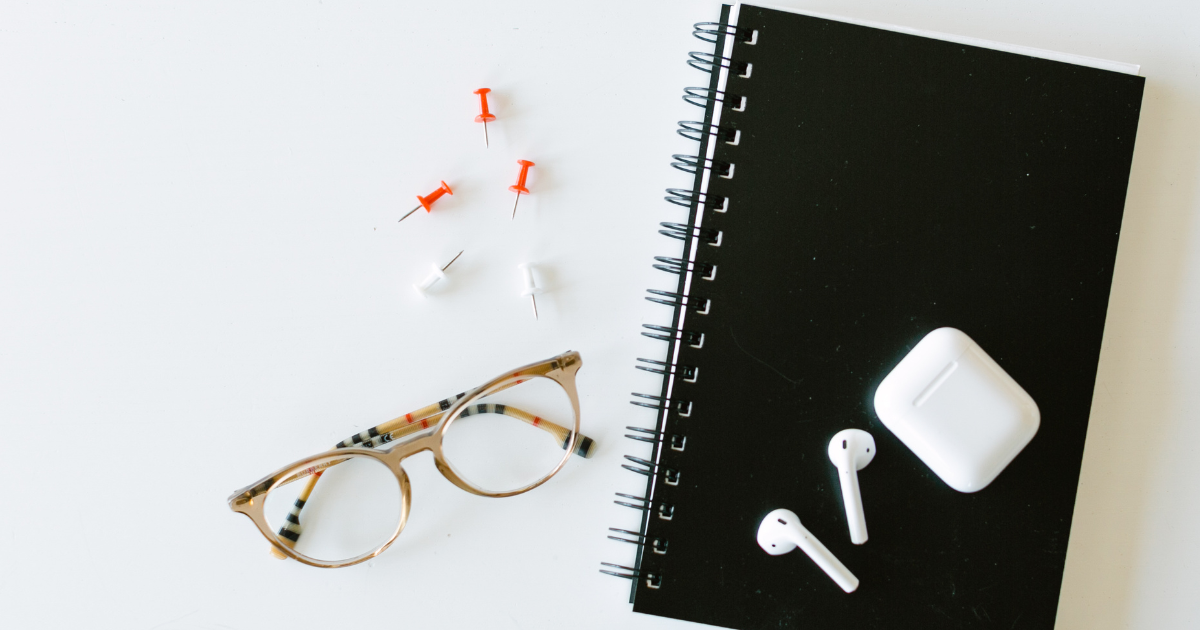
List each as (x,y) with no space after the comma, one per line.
(202,279)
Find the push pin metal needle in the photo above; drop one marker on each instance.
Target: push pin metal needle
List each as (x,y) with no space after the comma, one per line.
(486,116)
(435,275)
(520,188)
(427,201)
(531,288)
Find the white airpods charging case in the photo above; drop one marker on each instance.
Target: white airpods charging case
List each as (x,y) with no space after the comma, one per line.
(957,409)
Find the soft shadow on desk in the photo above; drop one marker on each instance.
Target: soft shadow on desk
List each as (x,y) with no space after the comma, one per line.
(1135,400)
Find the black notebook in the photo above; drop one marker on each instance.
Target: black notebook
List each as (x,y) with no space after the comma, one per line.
(856,188)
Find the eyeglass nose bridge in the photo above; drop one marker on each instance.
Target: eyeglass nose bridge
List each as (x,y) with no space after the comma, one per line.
(395,455)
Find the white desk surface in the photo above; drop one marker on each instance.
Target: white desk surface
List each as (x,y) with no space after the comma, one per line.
(202,278)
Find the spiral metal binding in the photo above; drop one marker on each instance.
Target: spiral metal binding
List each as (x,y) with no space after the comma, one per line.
(687,372)
(644,502)
(690,337)
(678,265)
(659,545)
(643,438)
(701,96)
(682,407)
(628,573)
(682,232)
(698,304)
(668,405)
(687,198)
(653,580)
(648,468)
(693,130)
(707,62)
(711,31)
(666,511)
(693,163)
(676,440)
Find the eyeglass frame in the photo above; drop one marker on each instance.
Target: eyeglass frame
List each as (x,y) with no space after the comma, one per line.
(561,369)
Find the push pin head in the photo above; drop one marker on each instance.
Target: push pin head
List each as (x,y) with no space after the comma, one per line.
(486,116)
(435,275)
(519,187)
(531,287)
(427,201)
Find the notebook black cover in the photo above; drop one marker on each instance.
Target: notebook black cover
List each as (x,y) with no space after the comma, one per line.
(886,185)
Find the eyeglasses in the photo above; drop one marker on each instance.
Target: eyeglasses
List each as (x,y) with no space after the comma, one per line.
(503,438)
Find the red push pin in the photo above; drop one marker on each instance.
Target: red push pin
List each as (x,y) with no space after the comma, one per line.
(427,202)
(520,188)
(486,116)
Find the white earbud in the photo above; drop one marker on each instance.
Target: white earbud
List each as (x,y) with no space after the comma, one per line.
(851,450)
(781,532)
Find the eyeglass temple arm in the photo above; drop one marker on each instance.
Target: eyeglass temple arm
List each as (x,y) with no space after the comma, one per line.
(583,444)
(429,416)
(289,533)
(419,420)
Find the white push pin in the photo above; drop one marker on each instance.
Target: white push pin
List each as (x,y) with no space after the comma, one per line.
(435,275)
(531,287)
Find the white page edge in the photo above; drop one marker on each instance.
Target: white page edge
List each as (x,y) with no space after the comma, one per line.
(1079,60)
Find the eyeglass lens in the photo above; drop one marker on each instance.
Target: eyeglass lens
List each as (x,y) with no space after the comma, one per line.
(511,438)
(347,507)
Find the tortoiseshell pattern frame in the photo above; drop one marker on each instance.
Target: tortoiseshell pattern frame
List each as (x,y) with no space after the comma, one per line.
(426,426)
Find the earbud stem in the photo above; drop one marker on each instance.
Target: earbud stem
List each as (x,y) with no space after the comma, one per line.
(852,499)
(825,559)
